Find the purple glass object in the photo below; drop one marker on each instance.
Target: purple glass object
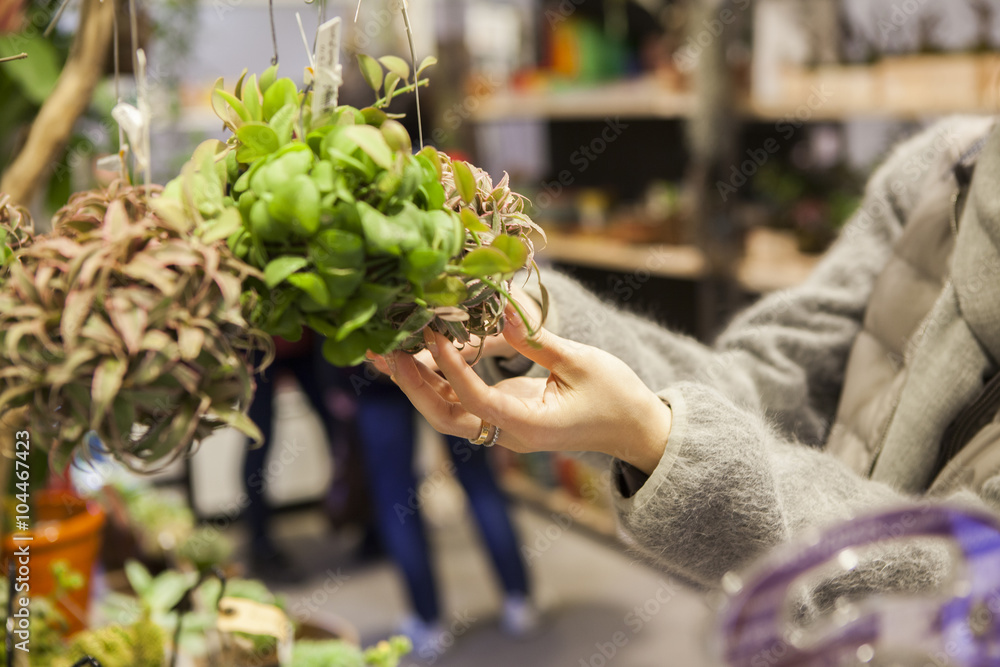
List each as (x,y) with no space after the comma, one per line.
(958,629)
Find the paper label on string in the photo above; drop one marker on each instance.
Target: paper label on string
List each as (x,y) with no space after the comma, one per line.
(255,618)
(327,70)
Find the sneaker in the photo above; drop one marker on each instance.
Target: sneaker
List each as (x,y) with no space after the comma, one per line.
(520,617)
(426,637)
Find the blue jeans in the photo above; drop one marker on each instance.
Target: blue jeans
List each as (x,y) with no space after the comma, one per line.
(305,370)
(385,422)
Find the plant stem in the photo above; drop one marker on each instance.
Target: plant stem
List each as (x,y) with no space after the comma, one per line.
(517,307)
(405,89)
(20,56)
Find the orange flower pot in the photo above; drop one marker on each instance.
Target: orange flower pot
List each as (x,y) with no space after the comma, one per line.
(66,528)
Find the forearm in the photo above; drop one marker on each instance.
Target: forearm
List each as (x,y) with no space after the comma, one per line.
(728,488)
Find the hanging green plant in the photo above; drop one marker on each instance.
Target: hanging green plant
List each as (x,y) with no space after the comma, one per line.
(16,230)
(357,237)
(129,325)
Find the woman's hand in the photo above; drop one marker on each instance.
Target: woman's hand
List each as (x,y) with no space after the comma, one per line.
(591,400)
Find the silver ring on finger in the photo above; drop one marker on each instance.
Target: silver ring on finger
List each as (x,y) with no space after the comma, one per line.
(496,436)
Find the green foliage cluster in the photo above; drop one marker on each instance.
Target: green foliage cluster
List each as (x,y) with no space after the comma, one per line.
(356,236)
(336,653)
(166,528)
(16,230)
(140,644)
(157,596)
(129,325)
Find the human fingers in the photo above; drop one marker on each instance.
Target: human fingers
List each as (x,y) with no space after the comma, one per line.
(379,362)
(433,377)
(543,347)
(476,396)
(424,356)
(414,379)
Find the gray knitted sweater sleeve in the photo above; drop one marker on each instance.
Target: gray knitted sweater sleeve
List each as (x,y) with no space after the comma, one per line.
(738,475)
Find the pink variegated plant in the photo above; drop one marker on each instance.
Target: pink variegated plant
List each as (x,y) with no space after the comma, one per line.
(123,324)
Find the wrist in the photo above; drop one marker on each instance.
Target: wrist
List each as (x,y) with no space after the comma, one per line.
(647,449)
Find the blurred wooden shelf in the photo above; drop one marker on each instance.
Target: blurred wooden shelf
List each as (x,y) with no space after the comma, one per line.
(771,262)
(911,86)
(629,98)
(596,519)
(915,86)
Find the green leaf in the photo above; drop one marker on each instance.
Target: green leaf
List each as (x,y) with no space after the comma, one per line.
(486,262)
(322,175)
(348,352)
(280,93)
(251,99)
(391,81)
(383,295)
(371,71)
(138,577)
(396,136)
(355,315)
(104,387)
(374,117)
(190,341)
(269,76)
(123,413)
(513,247)
(129,320)
(465,182)
(338,248)
(432,156)
(223,227)
(37,75)
(292,160)
(429,61)
(321,326)
(372,143)
(240,421)
(234,104)
(278,269)
(283,122)
(263,225)
(472,222)
(313,285)
(218,104)
(296,202)
(390,235)
(433,194)
(447,291)
(342,283)
(256,140)
(238,90)
(423,264)
(397,66)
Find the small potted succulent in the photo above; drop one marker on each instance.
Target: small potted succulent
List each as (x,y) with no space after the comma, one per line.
(356,236)
(200,639)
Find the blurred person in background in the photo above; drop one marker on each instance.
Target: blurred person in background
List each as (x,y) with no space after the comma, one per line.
(385,420)
(302,360)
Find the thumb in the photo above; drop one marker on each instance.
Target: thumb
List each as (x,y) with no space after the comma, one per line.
(543,347)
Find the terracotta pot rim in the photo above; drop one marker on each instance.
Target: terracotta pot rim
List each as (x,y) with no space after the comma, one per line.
(80,526)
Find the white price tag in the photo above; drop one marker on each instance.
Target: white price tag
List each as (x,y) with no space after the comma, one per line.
(327,71)
(255,618)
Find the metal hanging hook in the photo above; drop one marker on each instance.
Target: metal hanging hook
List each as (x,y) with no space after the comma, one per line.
(274,34)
